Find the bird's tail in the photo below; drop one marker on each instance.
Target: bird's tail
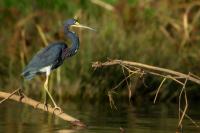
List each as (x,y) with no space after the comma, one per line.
(28,74)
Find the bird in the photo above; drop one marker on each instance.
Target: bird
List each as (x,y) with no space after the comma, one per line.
(53,56)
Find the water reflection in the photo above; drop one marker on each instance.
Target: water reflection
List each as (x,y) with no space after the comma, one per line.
(101,118)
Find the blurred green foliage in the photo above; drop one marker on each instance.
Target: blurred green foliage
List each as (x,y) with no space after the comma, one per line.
(149,32)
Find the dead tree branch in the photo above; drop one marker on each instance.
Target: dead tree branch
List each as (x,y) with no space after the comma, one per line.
(41,106)
(153,69)
(141,69)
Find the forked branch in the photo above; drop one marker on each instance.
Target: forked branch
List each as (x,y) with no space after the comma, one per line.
(139,68)
(153,69)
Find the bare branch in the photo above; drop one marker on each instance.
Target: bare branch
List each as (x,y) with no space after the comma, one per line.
(39,105)
(158,70)
(178,77)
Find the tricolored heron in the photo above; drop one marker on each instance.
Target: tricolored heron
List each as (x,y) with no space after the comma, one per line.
(52,56)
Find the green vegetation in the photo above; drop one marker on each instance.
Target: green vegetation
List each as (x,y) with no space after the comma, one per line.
(150,32)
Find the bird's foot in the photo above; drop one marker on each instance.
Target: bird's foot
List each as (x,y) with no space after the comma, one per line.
(46,105)
(57,108)
(21,94)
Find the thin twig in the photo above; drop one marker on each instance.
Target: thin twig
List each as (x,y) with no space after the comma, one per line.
(154,101)
(174,79)
(187,116)
(122,81)
(193,75)
(186,103)
(128,85)
(6,98)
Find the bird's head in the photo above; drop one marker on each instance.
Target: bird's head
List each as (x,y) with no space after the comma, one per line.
(74,23)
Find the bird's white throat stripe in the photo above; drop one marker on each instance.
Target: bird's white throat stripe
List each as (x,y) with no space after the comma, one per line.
(46,69)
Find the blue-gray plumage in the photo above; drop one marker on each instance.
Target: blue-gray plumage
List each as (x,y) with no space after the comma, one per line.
(53,56)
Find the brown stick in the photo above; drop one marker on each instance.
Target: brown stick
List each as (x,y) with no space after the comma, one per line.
(41,106)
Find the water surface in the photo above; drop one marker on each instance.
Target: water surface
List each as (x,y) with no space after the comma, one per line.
(100,118)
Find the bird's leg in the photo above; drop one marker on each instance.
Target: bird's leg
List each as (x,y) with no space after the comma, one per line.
(45,100)
(47,90)
(46,97)
(45,93)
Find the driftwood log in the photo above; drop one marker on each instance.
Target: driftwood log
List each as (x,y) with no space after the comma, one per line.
(41,106)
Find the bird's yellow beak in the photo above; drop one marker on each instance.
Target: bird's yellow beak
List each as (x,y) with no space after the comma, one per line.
(82,26)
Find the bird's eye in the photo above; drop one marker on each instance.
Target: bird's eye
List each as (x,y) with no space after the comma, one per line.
(76,20)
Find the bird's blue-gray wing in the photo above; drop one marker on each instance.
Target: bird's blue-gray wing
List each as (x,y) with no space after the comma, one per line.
(45,57)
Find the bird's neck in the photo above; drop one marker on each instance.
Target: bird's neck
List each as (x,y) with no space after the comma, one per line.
(75,42)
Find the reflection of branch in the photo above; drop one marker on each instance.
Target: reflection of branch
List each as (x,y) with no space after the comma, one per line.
(41,106)
(139,68)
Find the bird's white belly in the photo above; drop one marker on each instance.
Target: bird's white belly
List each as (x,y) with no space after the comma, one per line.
(46,69)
